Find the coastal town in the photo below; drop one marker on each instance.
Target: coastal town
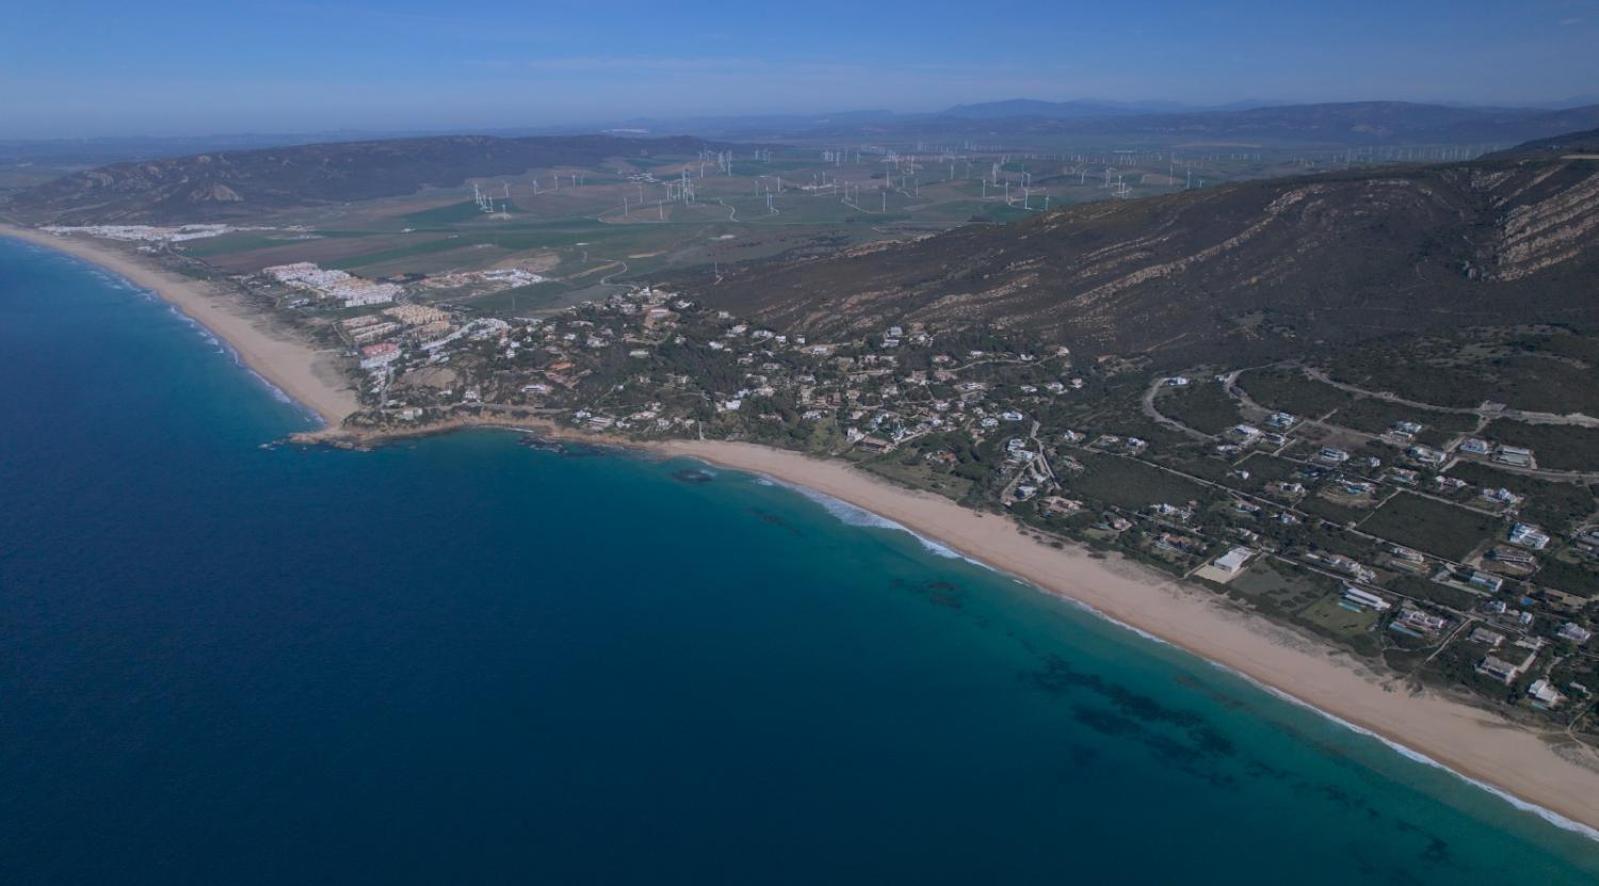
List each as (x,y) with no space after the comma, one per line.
(1429,539)
(1398,530)
(897,443)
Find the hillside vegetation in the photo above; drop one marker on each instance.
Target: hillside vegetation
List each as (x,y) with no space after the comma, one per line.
(1265,268)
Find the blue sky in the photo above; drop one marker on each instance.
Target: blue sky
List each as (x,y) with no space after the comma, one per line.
(95,67)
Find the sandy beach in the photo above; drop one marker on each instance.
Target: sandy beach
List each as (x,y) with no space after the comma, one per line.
(289,363)
(1473,742)
(1561,777)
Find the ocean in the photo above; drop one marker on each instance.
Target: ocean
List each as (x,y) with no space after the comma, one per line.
(464,660)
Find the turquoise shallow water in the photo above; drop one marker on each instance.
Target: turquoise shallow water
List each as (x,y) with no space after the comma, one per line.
(462,660)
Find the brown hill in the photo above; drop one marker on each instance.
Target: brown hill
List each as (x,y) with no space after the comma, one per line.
(1266,267)
(238,184)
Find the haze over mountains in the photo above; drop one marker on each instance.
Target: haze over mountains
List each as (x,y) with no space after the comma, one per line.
(1030,107)
(1262,268)
(1343,123)
(237,184)
(239,174)
(1163,123)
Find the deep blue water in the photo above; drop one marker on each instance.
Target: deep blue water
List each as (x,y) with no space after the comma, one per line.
(461,660)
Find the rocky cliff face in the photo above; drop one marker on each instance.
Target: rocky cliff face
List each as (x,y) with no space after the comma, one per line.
(1548,221)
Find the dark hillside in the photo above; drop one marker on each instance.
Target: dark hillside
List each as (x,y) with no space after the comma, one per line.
(1267,267)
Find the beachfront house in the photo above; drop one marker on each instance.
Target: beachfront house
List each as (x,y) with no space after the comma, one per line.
(1544,694)
(1366,599)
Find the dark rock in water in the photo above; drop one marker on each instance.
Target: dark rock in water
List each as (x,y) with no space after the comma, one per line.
(559,447)
(693,475)
(772,519)
(539,443)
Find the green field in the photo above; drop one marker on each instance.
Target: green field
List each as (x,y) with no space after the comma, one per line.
(1274,585)
(1330,510)
(1308,599)
(1539,372)
(1131,484)
(1555,506)
(1203,406)
(1573,578)
(1376,416)
(1265,468)
(1432,526)
(1434,592)
(1557,447)
(1329,617)
(441,229)
(1289,390)
(920,476)
(454,213)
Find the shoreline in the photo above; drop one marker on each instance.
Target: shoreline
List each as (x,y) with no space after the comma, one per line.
(1474,744)
(284,360)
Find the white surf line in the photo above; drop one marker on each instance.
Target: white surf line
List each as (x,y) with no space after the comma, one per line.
(879,521)
(121,283)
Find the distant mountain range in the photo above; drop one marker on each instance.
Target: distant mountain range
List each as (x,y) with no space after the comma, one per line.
(1257,269)
(1025,122)
(1079,108)
(240,184)
(1357,123)
(1344,124)
(117,149)
(1569,143)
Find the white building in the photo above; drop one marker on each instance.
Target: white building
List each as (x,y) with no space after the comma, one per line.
(1544,692)
(1574,632)
(1366,598)
(1233,561)
(346,288)
(1529,536)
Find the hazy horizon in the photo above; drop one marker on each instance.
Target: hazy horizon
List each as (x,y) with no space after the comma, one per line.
(189,69)
(618,124)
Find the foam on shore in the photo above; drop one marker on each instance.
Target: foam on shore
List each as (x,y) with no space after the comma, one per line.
(855,515)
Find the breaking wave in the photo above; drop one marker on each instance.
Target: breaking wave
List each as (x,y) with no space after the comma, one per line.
(854,515)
